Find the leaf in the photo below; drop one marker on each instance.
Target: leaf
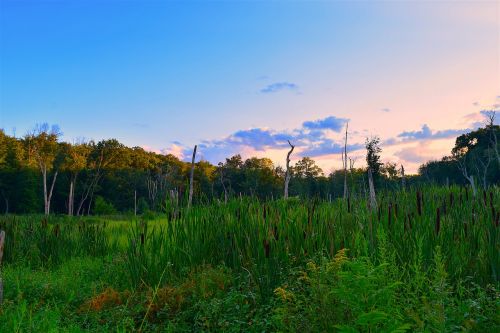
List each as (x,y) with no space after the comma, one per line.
(401,329)
(371,318)
(346,329)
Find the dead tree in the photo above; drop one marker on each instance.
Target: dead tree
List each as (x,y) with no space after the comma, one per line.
(493,134)
(221,174)
(373,199)
(191,176)
(351,172)
(2,243)
(288,173)
(344,162)
(483,166)
(462,166)
(403,179)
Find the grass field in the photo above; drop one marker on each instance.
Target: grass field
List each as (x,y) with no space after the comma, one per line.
(423,261)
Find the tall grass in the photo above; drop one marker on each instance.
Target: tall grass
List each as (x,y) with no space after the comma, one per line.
(264,240)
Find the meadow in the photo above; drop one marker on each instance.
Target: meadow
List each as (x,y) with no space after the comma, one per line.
(425,260)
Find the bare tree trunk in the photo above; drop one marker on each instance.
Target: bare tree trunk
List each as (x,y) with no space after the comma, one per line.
(403,179)
(47,195)
(344,161)
(493,136)
(191,176)
(484,167)
(2,243)
(463,168)
(71,197)
(288,174)
(45,203)
(373,199)
(49,199)
(88,191)
(221,166)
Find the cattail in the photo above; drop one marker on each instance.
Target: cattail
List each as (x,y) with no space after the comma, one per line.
(44,223)
(493,211)
(267,247)
(497,219)
(396,209)
(419,203)
(348,203)
(389,215)
(56,230)
(451,199)
(142,238)
(275,232)
(438,220)
(465,229)
(484,198)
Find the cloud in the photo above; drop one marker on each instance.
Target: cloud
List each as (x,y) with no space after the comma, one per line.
(422,152)
(329,147)
(332,123)
(423,134)
(412,155)
(385,110)
(312,138)
(279,86)
(426,133)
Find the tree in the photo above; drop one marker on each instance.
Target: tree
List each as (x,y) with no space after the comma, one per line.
(288,173)
(307,168)
(344,162)
(191,178)
(373,151)
(43,148)
(102,156)
(75,160)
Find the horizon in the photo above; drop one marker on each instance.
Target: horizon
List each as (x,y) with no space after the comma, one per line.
(253,75)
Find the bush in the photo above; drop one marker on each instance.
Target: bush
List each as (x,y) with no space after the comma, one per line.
(102,207)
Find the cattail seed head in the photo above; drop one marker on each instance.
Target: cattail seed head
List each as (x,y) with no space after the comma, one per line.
(438,220)
(267,247)
(419,203)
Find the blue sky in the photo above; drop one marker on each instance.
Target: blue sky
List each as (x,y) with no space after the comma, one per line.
(240,77)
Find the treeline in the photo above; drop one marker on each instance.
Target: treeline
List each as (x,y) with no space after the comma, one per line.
(39,173)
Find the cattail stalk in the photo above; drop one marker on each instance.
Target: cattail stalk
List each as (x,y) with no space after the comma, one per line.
(419,203)
(438,220)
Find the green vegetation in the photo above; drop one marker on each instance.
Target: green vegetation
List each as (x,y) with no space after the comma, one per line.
(38,173)
(426,260)
(130,253)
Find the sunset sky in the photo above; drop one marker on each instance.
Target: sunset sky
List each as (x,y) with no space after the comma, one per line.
(244,77)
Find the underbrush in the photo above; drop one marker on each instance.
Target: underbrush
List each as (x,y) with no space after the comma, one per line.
(338,294)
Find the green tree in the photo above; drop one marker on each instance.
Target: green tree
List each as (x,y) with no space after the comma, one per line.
(373,151)
(43,150)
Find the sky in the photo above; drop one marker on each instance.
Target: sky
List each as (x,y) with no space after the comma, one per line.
(245,77)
